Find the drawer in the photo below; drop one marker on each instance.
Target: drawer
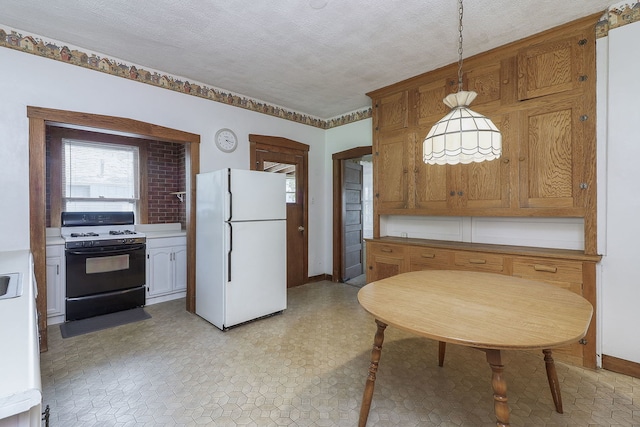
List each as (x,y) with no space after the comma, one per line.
(549,270)
(386,250)
(430,258)
(479,261)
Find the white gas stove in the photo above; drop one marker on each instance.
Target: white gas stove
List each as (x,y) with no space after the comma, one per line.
(93,229)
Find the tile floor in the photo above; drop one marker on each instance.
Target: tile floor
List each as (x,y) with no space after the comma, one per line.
(306,367)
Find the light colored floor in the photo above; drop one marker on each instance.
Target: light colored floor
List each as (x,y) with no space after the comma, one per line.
(306,367)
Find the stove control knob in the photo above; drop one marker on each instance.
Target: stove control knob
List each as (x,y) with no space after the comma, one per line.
(88,243)
(123,241)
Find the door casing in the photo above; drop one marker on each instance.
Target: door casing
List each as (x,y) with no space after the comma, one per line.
(352,153)
(276,144)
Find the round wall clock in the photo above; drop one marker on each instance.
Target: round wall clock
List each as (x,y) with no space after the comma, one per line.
(226,140)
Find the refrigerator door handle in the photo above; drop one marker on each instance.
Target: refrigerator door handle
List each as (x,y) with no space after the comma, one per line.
(230,194)
(229,252)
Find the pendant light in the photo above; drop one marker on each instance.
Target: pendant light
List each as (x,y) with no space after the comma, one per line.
(462,136)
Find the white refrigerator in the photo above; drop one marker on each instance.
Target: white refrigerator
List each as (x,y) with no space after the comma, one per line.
(241,234)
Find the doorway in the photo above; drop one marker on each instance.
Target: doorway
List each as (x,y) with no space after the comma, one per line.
(281,155)
(352,213)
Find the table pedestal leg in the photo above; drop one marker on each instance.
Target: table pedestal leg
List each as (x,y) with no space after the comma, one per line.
(499,388)
(371,378)
(442,348)
(552,376)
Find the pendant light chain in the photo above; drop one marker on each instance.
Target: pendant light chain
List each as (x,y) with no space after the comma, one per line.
(460,10)
(462,136)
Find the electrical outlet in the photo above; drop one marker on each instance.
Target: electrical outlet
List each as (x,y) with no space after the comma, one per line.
(403,234)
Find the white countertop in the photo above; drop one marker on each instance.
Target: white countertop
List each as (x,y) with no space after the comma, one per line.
(20,387)
(152,231)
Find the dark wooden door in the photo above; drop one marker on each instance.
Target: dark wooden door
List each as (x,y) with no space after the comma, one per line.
(351,219)
(293,166)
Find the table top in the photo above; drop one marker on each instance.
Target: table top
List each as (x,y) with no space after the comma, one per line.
(484,310)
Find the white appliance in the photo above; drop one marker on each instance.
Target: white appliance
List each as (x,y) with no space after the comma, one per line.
(241,235)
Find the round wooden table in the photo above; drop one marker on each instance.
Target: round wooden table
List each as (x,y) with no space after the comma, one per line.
(488,311)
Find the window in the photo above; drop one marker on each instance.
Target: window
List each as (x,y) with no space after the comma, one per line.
(100,177)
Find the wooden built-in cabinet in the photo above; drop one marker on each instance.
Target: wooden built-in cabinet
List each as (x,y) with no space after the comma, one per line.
(572,270)
(540,93)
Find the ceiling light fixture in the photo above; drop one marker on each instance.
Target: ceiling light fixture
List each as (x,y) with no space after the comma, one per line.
(462,136)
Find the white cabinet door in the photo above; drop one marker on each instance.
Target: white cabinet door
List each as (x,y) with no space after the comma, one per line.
(55,280)
(166,265)
(160,271)
(180,268)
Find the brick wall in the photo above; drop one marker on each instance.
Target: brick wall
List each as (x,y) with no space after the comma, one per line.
(166,174)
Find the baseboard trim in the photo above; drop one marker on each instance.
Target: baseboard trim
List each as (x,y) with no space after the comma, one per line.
(320,277)
(621,366)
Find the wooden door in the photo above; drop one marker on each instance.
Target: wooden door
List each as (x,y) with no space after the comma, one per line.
(293,166)
(352,187)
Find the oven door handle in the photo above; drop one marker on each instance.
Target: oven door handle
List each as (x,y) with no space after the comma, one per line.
(114,251)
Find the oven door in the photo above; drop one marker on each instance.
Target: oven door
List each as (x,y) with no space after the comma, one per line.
(92,271)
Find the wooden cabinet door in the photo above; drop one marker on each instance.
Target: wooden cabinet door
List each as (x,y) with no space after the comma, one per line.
(551,67)
(426,102)
(487,185)
(384,260)
(391,112)
(551,159)
(486,81)
(431,182)
(390,160)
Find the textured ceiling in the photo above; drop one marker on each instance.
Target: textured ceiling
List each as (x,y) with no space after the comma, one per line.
(289,53)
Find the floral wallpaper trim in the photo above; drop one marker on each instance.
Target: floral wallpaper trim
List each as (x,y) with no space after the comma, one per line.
(37,46)
(623,13)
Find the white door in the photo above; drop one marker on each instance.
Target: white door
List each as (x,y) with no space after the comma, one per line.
(258,281)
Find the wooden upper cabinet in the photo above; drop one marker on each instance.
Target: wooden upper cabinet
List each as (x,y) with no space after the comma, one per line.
(539,92)
(390,160)
(427,105)
(550,67)
(391,112)
(487,81)
(552,159)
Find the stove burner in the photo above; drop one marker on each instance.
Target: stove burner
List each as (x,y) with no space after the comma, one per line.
(90,234)
(120,232)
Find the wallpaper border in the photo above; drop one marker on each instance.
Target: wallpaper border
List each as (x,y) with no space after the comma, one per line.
(618,15)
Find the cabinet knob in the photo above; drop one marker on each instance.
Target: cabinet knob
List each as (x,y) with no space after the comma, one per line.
(505,160)
(452,193)
(521,159)
(460,193)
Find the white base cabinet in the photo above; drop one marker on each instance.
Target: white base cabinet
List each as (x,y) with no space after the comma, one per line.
(56,283)
(166,268)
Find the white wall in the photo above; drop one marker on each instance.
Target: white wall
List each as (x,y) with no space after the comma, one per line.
(618,120)
(29,80)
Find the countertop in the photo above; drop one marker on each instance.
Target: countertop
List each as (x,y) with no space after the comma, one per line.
(152,231)
(20,388)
